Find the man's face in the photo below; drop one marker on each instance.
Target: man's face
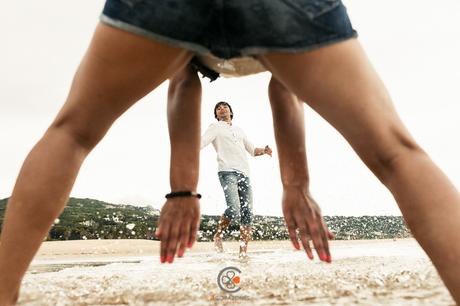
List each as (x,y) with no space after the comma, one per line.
(223,111)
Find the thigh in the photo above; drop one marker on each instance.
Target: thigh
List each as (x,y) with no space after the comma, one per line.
(118,69)
(339,83)
(245,192)
(229,183)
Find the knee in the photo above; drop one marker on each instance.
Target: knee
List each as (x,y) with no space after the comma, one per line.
(384,161)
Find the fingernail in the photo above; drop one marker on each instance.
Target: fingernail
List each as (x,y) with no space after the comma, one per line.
(190,245)
(181,253)
(162,259)
(170,259)
(329,259)
(310,256)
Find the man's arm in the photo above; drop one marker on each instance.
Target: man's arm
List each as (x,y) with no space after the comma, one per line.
(208,137)
(253,150)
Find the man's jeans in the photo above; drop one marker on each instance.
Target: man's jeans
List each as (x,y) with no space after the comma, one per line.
(238,195)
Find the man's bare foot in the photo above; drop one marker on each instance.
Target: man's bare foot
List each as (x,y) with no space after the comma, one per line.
(243,256)
(243,249)
(218,243)
(245,236)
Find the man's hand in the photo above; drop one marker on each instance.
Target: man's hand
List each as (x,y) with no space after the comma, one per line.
(179,222)
(261,151)
(268,150)
(302,213)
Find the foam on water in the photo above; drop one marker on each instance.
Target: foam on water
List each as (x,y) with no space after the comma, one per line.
(371,274)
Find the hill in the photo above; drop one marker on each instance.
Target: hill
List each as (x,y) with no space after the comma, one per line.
(93,219)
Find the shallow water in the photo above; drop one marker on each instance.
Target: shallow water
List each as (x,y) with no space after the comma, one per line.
(375,273)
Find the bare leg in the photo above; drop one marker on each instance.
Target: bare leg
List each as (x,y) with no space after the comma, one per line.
(221,227)
(245,237)
(341,85)
(118,69)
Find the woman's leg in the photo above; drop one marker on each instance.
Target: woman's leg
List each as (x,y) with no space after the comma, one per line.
(340,84)
(118,69)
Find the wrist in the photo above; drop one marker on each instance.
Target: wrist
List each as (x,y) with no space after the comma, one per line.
(305,185)
(183,179)
(183,194)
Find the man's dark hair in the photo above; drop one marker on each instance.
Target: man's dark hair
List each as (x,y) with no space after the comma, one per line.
(222,103)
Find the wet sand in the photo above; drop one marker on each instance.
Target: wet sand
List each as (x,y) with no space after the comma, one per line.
(128,272)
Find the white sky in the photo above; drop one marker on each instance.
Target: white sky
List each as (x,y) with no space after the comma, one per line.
(414,45)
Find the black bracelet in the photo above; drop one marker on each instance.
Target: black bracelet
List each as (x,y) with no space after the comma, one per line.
(176,194)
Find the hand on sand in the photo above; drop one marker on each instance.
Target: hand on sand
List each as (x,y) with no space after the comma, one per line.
(179,222)
(302,213)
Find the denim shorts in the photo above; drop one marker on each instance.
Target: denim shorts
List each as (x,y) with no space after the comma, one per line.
(233,28)
(238,196)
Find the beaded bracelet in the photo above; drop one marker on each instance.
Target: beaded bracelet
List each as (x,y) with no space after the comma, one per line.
(175,194)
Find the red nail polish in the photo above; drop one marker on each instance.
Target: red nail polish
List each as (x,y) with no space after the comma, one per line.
(162,259)
(170,259)
(329,259)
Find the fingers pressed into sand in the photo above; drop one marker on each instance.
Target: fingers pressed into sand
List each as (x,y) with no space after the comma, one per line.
(305,239)
(327,236)
(164,232)
(194,226)
(304,232)
(291,227)
(314,227)
(173,241)
(184,237)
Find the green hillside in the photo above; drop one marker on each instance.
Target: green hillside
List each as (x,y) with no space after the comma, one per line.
(93,219)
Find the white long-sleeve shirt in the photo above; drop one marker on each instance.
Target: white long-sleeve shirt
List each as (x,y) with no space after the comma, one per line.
(231,144)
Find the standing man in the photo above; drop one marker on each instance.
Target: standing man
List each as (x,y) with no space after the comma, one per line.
(230,143)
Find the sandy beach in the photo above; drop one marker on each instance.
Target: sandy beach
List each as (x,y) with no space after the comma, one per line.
(128,272)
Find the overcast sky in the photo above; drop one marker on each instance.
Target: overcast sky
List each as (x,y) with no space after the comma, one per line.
(414,45)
